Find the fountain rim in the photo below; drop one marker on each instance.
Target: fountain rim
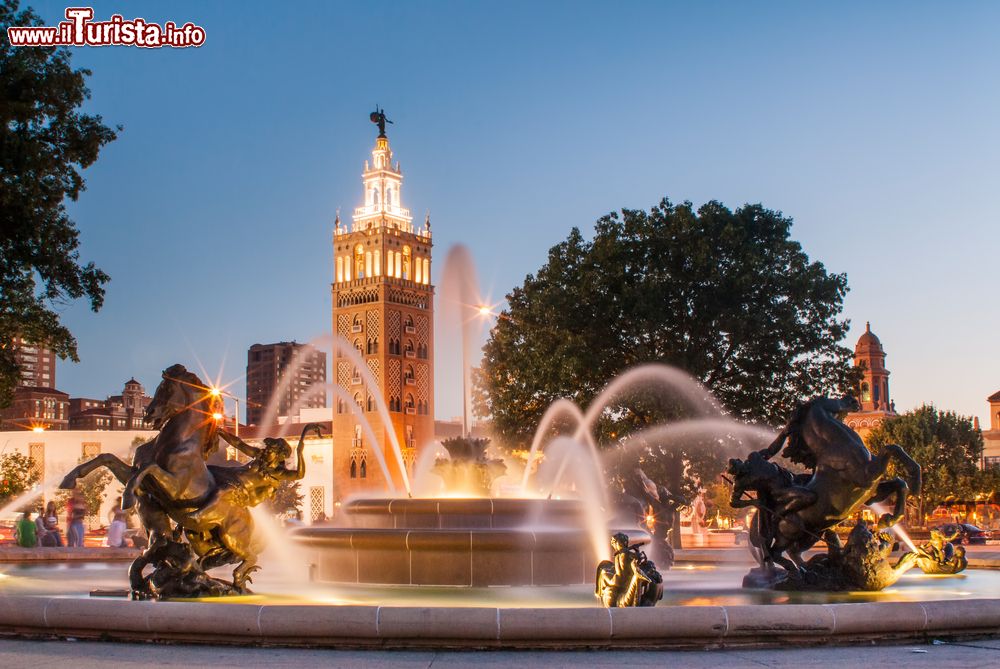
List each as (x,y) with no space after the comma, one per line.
(311,625)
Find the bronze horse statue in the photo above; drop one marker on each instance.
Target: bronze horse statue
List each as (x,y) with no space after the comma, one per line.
(795,510)
(171,484)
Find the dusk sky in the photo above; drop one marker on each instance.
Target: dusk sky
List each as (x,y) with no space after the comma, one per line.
(873,125)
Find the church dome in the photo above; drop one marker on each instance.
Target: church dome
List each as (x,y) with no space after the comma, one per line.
(868,342)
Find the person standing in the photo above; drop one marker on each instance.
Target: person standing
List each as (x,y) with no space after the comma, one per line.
(24,533)
(76,512)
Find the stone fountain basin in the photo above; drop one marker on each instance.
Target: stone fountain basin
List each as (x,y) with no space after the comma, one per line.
(465,513)
(471,542)
(703,608)
(402,627)
(458,557)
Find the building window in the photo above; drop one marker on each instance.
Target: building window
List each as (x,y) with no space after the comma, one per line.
(866,394)
(359,262)
(406,263)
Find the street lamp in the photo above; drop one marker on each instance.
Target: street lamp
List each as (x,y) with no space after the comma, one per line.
(218,392)
(483,311)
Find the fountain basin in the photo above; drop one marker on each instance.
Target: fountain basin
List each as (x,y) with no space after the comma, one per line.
(455,542)
(467,513)
(409,627)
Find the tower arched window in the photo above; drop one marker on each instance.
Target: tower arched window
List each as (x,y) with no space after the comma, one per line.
(359,262)
(340,269)
(357,347)
(364,468)
(354,468)
(388,196)
(371,403)
(340,405)
(375,196)
(866,393)
(876,392)
(410,351)
(358,401)
(410,404)
(427,270)
(406,262)
(368,263)
(408,375)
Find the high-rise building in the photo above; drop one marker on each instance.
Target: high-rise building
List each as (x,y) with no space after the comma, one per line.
(268,370)
(873,390)
(36,405)
(37,363)
(383,306)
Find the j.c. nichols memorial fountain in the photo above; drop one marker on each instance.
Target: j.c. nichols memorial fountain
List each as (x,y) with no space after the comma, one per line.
(564,563)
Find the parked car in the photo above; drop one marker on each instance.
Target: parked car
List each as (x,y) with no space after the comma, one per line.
(967,533)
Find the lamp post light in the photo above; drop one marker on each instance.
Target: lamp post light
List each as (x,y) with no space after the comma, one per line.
(483,311)
(218,392)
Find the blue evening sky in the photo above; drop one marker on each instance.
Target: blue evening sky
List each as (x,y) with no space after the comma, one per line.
(873,125)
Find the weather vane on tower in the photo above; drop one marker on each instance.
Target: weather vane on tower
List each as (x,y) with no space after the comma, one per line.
(378,118)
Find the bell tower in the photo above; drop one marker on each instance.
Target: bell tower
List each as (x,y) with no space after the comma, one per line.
(870,356)
(873,389)
(383,303)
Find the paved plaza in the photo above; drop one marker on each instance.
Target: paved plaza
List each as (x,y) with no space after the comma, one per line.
(86,655)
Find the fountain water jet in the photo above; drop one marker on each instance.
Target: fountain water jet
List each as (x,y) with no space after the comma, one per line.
(590,485)
(561,407)
(343,394)
(344,347)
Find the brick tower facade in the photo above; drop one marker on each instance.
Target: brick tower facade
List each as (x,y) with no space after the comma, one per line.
(873,391)
(383,304)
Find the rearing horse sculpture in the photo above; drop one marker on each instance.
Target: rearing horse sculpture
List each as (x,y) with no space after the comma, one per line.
(184,411)
(794,511)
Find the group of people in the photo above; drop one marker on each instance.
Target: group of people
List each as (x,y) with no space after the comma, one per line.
(44,529)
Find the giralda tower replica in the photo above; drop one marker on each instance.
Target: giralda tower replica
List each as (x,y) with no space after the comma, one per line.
(383,304)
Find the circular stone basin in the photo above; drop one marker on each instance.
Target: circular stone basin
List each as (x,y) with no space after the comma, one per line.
(456,542)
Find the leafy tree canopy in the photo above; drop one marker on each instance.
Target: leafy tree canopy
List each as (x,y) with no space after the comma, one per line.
(17,474)
(725,295)
(948,448)
(45,142)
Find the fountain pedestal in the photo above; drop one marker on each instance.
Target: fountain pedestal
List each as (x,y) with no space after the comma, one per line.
(456,542)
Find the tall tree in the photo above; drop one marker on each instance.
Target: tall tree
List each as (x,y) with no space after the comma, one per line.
(725,295)
(948,448)
(45,142)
